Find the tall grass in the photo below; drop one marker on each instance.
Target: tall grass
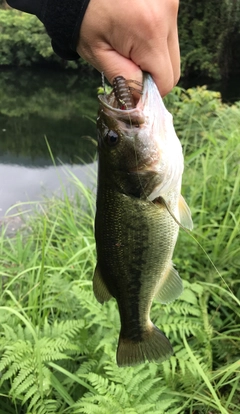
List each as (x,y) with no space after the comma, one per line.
(57,344)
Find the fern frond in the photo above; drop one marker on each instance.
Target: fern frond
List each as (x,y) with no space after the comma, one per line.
(43,406)
(14,356)
(32,395)
(24,362)
(100,383)
(86,367)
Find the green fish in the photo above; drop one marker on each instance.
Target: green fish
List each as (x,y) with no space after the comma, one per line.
(139,210)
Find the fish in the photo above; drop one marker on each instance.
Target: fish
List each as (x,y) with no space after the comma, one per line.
(139,209)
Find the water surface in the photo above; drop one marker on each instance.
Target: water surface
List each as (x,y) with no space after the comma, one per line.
(46,118)
(46,115)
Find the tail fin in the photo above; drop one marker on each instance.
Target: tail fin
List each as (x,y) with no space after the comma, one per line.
(154,346)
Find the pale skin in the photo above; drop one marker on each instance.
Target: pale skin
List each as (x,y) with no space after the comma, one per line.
(127,37)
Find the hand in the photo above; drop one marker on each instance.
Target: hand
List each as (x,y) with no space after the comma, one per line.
(130,36)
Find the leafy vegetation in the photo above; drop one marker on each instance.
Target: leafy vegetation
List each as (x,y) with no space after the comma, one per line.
(24,42)
(209,33)
(58,344)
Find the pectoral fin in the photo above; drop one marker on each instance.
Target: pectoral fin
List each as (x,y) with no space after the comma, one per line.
(170,286)
(100,290)
(185,214)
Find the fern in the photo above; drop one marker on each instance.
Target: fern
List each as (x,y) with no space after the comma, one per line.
(25,362)
(136,390)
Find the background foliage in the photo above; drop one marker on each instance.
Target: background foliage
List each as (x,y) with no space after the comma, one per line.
(24,42)
(57,344)
(209,32)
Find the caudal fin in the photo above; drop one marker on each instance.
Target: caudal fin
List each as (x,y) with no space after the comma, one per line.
(154,346)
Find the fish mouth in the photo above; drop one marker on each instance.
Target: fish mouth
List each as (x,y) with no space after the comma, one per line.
(134,116)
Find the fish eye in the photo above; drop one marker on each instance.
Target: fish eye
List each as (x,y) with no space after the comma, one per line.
(112,138)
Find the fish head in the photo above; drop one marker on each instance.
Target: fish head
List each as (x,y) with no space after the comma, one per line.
(139,144)
(118,136)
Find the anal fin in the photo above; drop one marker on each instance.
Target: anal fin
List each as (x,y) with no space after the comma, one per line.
(100,289)
(170,286)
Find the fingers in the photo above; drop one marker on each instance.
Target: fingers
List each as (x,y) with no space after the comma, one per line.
(173,46)
(157,61)
(162,60)
(159,54)
(163,64)
(165,68)
(174,54)
(116,65)
(113,64)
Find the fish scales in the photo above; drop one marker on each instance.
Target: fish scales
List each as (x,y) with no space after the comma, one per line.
(138,207)
(132,247)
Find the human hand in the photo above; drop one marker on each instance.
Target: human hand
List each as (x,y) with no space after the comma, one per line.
(130,36)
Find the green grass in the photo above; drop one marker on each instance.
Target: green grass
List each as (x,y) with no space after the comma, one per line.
(58,344)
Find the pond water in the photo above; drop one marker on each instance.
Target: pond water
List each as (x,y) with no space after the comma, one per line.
(46,118)
(42,110)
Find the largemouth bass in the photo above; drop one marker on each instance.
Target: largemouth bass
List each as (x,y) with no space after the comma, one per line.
(139,206)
